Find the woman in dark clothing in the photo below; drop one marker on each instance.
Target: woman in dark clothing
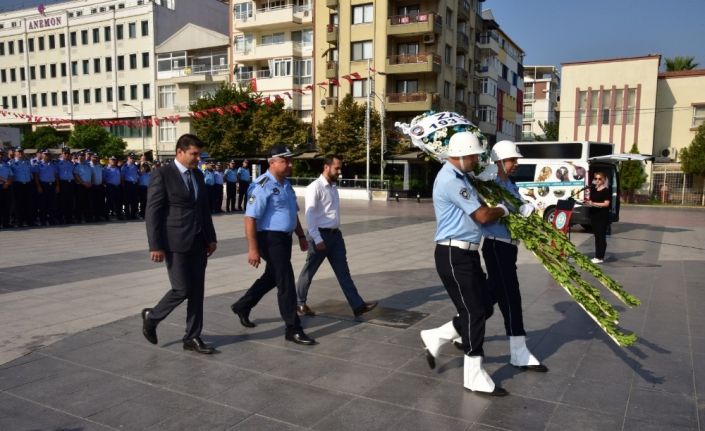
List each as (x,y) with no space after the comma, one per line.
(599,214)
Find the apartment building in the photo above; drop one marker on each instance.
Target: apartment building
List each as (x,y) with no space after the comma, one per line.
(273,50)
(542,85)
(418,56)
(92,60)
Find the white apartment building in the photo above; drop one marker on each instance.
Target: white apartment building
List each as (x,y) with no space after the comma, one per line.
(542,86)
(93,60)
(273,48)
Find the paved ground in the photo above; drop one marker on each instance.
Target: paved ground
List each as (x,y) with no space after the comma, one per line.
(74,358)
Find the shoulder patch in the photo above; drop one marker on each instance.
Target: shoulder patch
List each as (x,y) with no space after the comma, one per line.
(464,192)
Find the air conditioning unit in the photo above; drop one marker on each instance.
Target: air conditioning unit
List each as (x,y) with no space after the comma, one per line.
(324,102)
(307,13)
(429,39)
(670,153)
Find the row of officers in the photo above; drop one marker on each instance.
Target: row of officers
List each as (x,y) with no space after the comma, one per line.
(78,188)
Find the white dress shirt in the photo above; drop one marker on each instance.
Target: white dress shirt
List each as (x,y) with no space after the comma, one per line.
(182,169)
(322,207)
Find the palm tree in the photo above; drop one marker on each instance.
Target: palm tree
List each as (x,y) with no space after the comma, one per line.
(680,63)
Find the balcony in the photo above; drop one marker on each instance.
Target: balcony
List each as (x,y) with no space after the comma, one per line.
(463,10)
(332,34)
(332,4)
(406,102)
(488,41)
(194,74)
(461,77)
(272,50)
(270,18)
(527,136)
(414,63)
(410,25)
(529,97)
(331,69)
(463,42)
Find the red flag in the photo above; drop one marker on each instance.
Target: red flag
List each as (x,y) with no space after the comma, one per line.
(356,75)
(322,84)
(347,78)
(253,83)
(372,70)
(334,81)
(298,90)
(287,94)
(308,87)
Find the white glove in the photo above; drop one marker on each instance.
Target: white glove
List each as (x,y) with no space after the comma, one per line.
(506,211)
(526,210)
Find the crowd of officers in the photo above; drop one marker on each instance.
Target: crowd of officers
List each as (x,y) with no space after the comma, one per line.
(78,188)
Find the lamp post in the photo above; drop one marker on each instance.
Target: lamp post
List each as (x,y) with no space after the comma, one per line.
(367,127)
(141,110)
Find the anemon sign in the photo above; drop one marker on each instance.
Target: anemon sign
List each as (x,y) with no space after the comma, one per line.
(36,24)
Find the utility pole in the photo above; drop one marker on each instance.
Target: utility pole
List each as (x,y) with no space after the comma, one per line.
(367,126)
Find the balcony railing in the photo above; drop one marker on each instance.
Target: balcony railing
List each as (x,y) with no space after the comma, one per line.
(461,76)
(414,58)
(331,69)
(463,41)
(411,19)
(407,97)
(419,23)
(332,33)
(528,97)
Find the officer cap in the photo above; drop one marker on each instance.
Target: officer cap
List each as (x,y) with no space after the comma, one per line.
(112,158)
(66,150)
(280,150)
(232,161)
(45,151)
(131,155)
(19,150)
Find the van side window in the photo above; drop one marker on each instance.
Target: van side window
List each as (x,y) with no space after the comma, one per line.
(524,173)
(597,150)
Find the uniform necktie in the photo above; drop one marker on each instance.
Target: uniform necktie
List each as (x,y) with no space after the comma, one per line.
(189,182)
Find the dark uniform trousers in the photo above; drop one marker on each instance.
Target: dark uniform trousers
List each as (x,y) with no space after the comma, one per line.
(24,199)
(113,199)
(242,196)
(5,204)
(82,207)
(275,249)
(503,283)
(142,197)
(129,191)
(66,192)
(218,198)
(187,274)
(462,275)
(231,191)
(98,208)
(47,202)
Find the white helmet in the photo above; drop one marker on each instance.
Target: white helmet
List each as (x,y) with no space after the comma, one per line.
(464,144)
(504,150)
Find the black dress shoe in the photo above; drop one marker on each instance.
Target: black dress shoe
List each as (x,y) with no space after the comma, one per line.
(149,327)
(498,392)
(300,338)
(244,317)
(541,368)
(364,308)
(197,345)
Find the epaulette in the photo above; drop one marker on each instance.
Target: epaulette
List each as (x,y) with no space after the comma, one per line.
(263,181)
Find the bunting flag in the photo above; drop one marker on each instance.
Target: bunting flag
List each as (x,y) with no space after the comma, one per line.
(356,75)
(253,83)
(287,94)
(308,87)
(347,78)
(334,81)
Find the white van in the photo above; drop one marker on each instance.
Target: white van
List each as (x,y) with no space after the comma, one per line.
(551,171)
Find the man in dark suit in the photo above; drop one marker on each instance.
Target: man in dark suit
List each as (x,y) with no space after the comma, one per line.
(180,231)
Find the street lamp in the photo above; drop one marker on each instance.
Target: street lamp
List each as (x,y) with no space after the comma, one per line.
(370,92)
(141,111)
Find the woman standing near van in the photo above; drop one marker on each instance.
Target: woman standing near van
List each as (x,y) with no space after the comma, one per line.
(599,214)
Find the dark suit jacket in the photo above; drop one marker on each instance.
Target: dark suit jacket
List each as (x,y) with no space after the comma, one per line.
(172,218)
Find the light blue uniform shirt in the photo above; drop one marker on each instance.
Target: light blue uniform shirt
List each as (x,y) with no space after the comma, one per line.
(498,229)
(65,168)
(144,179)
(454,199)
(47,171)
(231,175)
(243,174)
(84,172)
(272,204)
(97,172)
(209,177)
(21,171)
(130,173)
(5,172)
(111,174)
(218,178)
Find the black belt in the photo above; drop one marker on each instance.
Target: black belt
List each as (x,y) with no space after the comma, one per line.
(328,229)
(47,182)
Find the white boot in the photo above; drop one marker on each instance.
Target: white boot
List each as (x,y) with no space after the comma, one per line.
(476,378)
(521,356)
(434,339)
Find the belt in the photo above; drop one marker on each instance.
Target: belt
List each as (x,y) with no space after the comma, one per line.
(507,240)
(47,182)
(463,245)
(328,229)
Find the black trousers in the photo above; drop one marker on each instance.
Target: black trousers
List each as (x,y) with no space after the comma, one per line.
(275,249)
(600,220)
(231,192)
(5,205)
(66,193)
(129,198)
(142,197)
(24,200)
(98,208)
(47,203)
(500,261)
(242,195)
(113,199)
(462,276)
(83,200)
(187,274)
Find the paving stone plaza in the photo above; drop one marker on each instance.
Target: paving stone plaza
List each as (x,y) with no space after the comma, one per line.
(73,357)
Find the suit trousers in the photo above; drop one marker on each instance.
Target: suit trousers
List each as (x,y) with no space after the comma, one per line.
(275,249)
(500,261)
(462,276)
(336,254)
(187,274)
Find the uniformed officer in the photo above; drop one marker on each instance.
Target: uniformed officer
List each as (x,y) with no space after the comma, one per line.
(218,192)
(143,187)
(47,184)
(243,183)
(230,186)
(98,208)
(113,187)
(209,180)
(130,176)
(270,219)
(5,190)
(22,187)
(83,175)
(66,186)
(459,213)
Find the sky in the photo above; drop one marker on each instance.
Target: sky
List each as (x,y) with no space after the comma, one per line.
(552,32)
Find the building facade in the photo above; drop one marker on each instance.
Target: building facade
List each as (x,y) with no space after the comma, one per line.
(92,60)
(542,86)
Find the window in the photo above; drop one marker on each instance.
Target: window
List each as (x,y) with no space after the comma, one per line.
(361,50)
(96,65)
(145,28)
(85,67)
(167,131)
(698,116)
(594,97)
(32,73)
(281,67)
(243,44)
(3,78)
(407,86)
(362,14)
(606,103)
(20,46)
(167,96)
(108,64)
(133,92)
(121,93)
(4,102)
(54,99)
(269,39)
(146,94)
(446,89)
(303,72)
(133,61)
(64,98)
(108,94)
(72,38)
(409,48)
(84,37)
(42,72)
(243,11)
(107,31)
(487,114)
(74,68)
(121,62)
(23,76)
(52,70)
(449,18)
(304,37)
(582,107)
(62,40)
(145,59)
(40,42)
(96,35)
(13,75)
(359,88)
(86,96)
(10,47)
(14,102)
(132,30)
(63,69)
(488,86)
(30,44)
(631,105)
(52,41)
(75,97)
(119,32)
(448,55)
(2,48)
(44,97)
(34,100)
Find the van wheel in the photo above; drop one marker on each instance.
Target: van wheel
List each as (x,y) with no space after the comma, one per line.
(549,214)
(586,227)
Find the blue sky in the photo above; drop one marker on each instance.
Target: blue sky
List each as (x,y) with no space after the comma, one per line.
(560,31)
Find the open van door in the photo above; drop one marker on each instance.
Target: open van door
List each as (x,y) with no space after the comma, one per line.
(610,165)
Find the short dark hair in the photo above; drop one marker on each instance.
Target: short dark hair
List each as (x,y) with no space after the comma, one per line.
(188,140)
(328,159)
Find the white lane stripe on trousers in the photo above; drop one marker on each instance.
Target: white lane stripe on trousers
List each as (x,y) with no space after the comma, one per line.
(460,292)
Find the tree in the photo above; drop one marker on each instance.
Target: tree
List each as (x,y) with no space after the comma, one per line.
(343,132)
(44,137)
(631,175)
(693,156)
(680,63)
(98,139)
(550,130)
